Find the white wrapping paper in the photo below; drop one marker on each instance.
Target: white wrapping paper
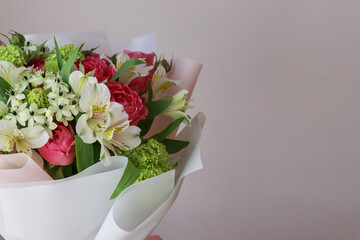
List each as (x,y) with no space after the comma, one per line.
(77,207)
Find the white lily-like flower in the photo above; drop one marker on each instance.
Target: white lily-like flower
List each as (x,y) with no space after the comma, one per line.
(119,135)
(178,106)
(140,70)
(105,122)
(18,114)
(95,103)
(78,81)
(24,139)
(3,109)
(160,83)
(5,68)
(11,73)
(36,115)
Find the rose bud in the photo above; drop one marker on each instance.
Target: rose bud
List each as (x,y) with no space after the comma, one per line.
(60,149)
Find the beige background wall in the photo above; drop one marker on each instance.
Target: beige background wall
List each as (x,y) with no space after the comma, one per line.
(280,87)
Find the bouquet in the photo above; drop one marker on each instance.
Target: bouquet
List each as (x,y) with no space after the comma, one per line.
(89,140)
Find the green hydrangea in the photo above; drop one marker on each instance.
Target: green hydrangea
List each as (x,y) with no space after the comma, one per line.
(65,51)
(38,96)
(150,158)
(13,54)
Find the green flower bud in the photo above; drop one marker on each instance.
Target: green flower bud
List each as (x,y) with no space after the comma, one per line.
(13,54)
(65,51)
(150,158)
(38,96)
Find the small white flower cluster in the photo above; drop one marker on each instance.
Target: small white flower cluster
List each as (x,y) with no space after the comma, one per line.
(37,98)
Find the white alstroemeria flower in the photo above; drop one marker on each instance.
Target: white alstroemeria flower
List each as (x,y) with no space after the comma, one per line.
(5,68)
(118,135)
(18,114)
(24,139)
(36,115)
(178,106)
(160,83)
(78,81)
(62,111)
(12,74)
(95,103)
(140,70)
(121,58)
(3,109)
(16,95)
(105,122)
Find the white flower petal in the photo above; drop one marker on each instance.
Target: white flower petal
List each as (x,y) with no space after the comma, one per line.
(24,147)
(128,139)
(36,136)
(84,130)
(117,115)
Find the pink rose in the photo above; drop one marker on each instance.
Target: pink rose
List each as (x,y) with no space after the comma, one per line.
(37,64)
(60,149)
(139,84)
(103,69)
(131,101)
(149,57)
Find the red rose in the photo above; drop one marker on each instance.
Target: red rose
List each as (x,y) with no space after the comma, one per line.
(131,101)
(103,69)
(37,64)
(60,149)
(139,84)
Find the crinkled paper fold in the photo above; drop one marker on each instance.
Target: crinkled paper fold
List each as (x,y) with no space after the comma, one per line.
(79,207)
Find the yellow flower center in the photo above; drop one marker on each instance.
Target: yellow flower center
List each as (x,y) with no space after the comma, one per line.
(98,109)
(13,140)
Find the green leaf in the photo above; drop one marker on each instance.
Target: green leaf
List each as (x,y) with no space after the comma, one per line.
(130,175)
(174,146)
(145,127)
(113,59)
(21,38)
(167,131)
(58,54)
(150,91)
(84,154)
(36,52)
(97,149)
(56,172)
(157,107)
(65,70)
(88,52)
(67,170)
(4,87)
(126,65)
(6,37)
